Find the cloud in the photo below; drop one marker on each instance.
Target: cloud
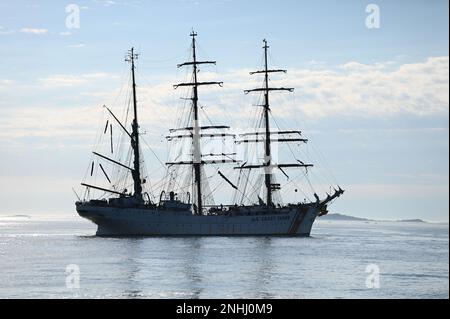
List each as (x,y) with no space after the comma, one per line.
(353,89)
(317,63)
(380,89)
(48,123)
(395,190)
(64,80)
(106,2)
(393,130)
(34,31)
(79,45)
(5,82)
(3,31)
(109,3)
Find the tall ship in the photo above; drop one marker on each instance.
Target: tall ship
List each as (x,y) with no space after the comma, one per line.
(185,203)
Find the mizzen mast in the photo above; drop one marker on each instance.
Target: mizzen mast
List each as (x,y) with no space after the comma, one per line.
(268,165)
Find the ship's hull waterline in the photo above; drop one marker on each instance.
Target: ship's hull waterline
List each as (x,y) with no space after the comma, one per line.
(144,222)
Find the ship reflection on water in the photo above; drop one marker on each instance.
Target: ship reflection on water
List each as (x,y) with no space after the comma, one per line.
(145,276)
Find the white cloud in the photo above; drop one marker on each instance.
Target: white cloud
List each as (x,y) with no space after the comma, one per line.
(4,31)
(379,89)
(62,80)
(390,190)
(65,33)
(45,122)
(79,45)
(315,62)
(5,82)
(108,3)
(354,89)
(34,31)
(393,130)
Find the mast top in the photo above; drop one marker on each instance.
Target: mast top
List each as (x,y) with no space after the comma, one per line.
(131,56)
(193,33)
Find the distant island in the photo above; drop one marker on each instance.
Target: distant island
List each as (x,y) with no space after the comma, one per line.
(16,216)
(411,221)
(342,217)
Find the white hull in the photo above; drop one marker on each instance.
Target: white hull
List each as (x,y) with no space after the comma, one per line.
(112,221)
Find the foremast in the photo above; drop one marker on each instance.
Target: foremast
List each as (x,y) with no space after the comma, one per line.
(136,172)
(134,138)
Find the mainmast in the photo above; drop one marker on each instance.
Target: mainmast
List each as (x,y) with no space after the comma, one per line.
(196,128)
(267,148)
(268,165)
(197,158)
(131,57)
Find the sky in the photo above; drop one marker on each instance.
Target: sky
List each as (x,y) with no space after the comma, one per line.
(374,101)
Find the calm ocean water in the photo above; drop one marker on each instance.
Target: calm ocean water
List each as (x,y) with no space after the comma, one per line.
(412,258)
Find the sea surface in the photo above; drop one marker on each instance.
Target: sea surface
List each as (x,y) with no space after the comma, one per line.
(61,258)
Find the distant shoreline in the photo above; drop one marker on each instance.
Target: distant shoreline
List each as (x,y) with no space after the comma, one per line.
(15,216)
(342,217)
